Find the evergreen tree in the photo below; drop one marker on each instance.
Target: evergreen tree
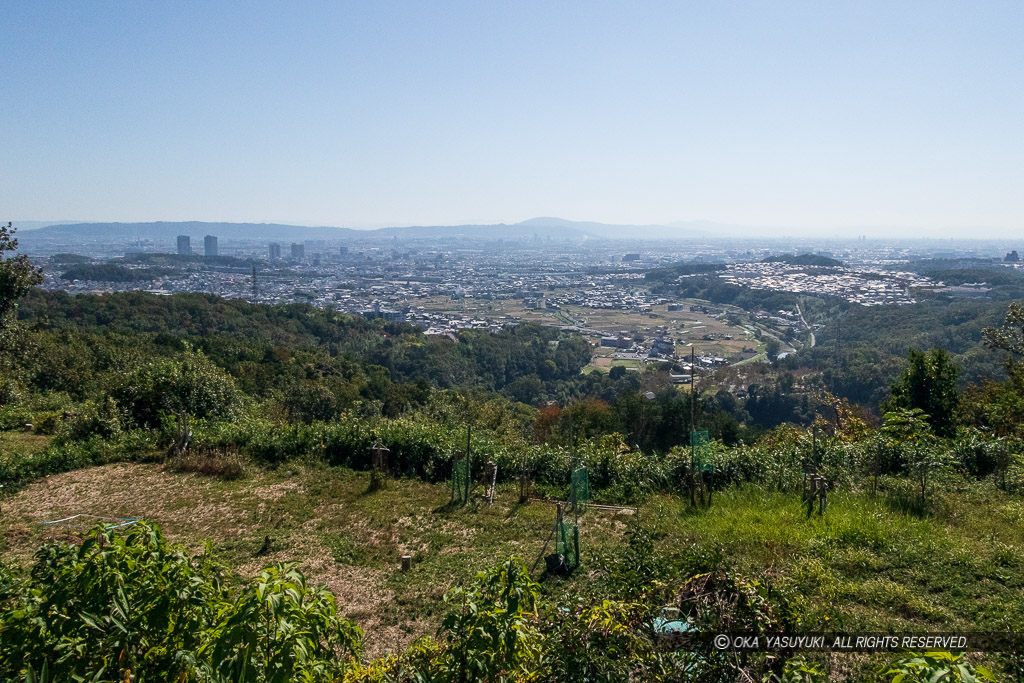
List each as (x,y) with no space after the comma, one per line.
(929,383)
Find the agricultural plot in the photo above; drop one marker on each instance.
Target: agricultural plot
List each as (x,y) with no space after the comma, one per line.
(610,321)
(708,333)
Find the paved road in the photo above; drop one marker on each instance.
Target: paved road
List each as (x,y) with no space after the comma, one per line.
(801,314)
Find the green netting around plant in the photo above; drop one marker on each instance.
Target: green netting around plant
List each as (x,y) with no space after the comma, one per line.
(579,489)
(460,482)
(700,446)
(567,544)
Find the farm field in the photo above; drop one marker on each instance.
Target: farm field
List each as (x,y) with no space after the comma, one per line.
(707,334)
(693,326)
(867,564)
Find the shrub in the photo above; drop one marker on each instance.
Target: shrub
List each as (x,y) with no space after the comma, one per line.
(104,419)
(280,629)
(117,602)
(192,384)
(127,601)
(487,634)
(935,666)
(224,464)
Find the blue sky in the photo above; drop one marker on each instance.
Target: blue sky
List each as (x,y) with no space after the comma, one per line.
(886,117)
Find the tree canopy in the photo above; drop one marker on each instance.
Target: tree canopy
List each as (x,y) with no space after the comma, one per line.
(929,384)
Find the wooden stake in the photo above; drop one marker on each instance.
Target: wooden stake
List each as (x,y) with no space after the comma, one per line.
(494,482)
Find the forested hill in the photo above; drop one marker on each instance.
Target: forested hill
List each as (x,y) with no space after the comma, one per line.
(862,351)
(112,272)
(1003,283)
(263,345)
(703,281)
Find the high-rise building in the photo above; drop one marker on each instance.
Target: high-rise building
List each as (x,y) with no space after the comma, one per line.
(184,245)
(275,252)
(344,251)
(210,245)
(298,251)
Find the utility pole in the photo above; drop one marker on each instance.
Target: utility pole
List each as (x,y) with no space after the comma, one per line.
(839,334)
(692,476)
(836,355)
(693,389)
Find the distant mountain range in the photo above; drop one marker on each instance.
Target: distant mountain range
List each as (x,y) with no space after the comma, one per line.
(168,231)
(544,228)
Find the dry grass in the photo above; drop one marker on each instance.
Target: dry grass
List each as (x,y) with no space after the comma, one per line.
(344,537)
(225,464)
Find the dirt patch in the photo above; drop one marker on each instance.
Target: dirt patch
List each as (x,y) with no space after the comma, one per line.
(235,516)
(323,518)
(359,591)
(98,490)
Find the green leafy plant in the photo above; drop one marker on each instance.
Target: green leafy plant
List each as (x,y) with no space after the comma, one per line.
(936,667)
(798,670)
(909,431)
(607,642)
(278,630)
(117,602)
(127,603)
(488,633)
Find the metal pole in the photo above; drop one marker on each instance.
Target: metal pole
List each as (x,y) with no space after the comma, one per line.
(494,482)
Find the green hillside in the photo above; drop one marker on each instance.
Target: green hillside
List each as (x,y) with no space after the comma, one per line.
(243,532)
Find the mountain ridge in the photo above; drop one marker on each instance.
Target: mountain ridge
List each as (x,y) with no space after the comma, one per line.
(541,227)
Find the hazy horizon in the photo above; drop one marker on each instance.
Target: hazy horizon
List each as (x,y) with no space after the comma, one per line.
(729,230)
(873,118)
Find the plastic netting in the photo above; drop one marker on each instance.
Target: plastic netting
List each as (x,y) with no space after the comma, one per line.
(567,544)
(460,482)
(579,490)
(700,446)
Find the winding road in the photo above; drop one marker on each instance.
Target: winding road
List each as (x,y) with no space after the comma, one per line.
(801,314)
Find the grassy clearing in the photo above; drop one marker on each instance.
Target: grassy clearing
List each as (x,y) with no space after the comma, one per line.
(760,357)
(866,565)
(345,538)
(23,442)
